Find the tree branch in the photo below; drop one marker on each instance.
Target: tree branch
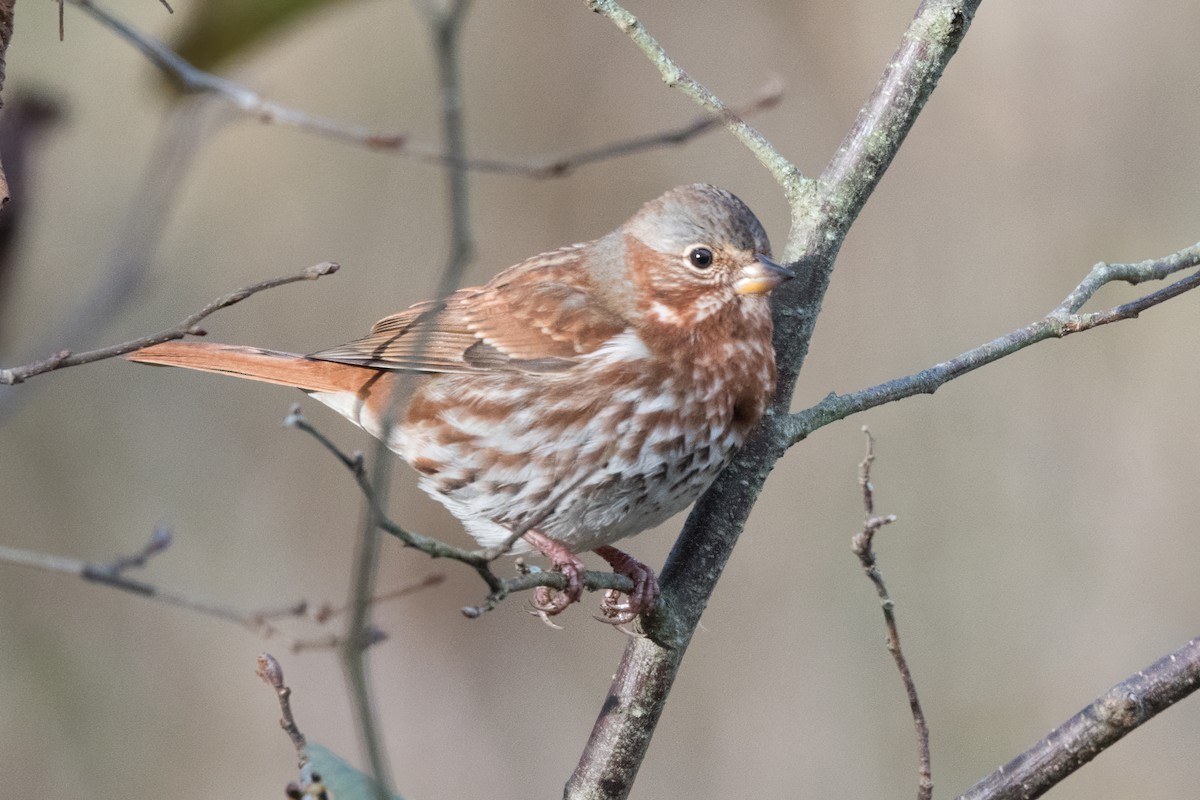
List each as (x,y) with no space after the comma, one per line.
(884,121)
(821,215)
(785,173)
(1063,321)
(177,144)
(193,80)
(260,622)
(863,545)
(767,97)
(65,358)
(1124,707)
(446,23)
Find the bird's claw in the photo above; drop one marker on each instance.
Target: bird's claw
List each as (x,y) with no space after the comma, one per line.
(641,600)
(548,602)
(616,608)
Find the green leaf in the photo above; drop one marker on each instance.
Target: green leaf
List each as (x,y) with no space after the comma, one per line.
(343,781)
(217,30)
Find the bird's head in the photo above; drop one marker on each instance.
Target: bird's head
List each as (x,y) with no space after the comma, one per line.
(698,253)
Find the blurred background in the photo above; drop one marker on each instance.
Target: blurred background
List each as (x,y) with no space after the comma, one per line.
(1046,545)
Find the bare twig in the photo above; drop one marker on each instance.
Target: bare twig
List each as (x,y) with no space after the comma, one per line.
(112,574)
(1124,707)
(371,634)
(309,785)
(159,541)
(188,326)
(177,143)
(328,612)
(555,166)
(863,546)
(62,26)
(1064,320)
(446,24)
(246,101)
(785,173)
(260,622)
(196,81)
(479,560)
(272,674)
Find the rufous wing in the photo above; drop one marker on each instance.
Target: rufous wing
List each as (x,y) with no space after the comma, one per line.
(538,316)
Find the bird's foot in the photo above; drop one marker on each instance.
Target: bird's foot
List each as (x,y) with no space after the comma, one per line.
(546,601)
(642,599)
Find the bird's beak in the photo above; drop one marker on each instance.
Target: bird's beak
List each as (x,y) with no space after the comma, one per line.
(761,276)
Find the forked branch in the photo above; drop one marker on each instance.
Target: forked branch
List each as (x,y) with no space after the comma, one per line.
(481,561)
(248,102)
(263,622)
(821,214)
(1064,320)
(187,327)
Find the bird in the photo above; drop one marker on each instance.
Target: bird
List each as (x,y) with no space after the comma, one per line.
(580,397)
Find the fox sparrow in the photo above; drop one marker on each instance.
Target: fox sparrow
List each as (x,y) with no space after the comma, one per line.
(581,396)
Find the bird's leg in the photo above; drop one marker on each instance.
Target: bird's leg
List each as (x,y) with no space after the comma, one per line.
(645,592)
(545,599)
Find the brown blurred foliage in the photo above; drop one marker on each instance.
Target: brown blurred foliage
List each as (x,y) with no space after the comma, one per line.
(1045,544)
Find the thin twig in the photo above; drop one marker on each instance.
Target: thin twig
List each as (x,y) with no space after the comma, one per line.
(309,785)
(188,326)
(128,263)
(260,622)
(193,80)
(446,24)
(785,172)
(160,540)
(1124,707)
(354,463)
(479,560)
(248,102)
(61,22)
(1063,321)
(272,674)
(446,27)
(556,166)
(328,612)
(112,575)
(863,546)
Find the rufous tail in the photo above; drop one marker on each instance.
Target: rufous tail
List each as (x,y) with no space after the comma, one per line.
(268,366)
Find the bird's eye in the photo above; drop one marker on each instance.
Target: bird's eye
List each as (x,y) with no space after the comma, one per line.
(701,257)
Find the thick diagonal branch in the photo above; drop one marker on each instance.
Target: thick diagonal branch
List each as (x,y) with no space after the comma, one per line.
(820,217)
(1084,736)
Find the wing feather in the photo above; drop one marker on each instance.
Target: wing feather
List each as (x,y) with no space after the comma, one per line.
(541,315)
